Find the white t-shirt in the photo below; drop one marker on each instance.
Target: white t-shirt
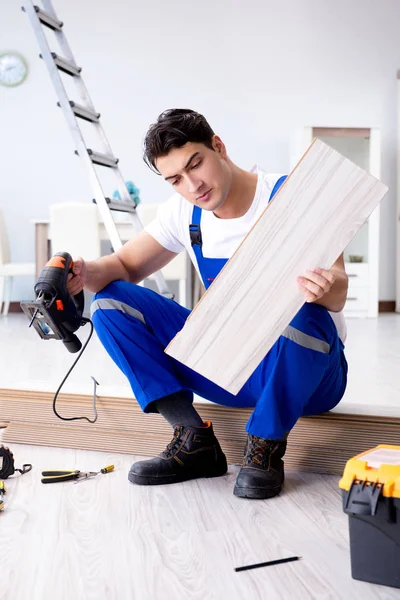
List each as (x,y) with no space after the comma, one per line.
(220,237)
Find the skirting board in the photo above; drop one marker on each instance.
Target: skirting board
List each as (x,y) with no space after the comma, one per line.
(319,444)
(315,214)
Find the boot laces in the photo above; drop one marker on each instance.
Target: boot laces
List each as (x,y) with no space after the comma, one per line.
(259,450)
(171,447)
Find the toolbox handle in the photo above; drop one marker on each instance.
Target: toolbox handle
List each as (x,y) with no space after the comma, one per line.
(363,497)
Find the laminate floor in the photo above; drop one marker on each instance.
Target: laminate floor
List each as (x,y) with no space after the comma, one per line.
(109,539)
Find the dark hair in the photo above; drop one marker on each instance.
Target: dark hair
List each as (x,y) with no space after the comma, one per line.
(174,128)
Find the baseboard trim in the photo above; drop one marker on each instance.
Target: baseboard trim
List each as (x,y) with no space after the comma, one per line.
(319,444)
(15,307)
(387,306)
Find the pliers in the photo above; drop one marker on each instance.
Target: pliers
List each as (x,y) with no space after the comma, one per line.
(57,476)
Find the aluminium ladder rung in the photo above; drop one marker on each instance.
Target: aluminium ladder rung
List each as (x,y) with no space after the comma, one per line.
(119,205)
(48,20)
(65,65)
(102,159)
(82,112)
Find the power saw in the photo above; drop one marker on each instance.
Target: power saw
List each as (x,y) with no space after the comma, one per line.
(55,314)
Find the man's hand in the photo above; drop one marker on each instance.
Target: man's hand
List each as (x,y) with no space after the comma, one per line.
(316,283)
(77,279)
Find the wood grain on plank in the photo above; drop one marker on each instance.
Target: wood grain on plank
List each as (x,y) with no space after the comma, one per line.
(315,214)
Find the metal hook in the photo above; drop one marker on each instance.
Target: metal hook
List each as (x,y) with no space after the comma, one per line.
(25,469)
(95,384)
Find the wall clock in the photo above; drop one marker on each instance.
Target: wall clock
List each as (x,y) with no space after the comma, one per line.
(13,69)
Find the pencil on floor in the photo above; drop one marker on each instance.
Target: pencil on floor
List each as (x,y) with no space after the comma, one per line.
(268,564)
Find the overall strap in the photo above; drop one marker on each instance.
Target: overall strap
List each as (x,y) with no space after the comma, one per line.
(194,227)
(276,187)
(195,235)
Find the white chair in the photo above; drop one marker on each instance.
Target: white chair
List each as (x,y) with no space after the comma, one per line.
(179,268)
(74,228)
(8,269)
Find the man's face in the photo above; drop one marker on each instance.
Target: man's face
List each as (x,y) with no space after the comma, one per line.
(197,173)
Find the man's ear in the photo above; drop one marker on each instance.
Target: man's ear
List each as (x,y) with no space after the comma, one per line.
(219,146)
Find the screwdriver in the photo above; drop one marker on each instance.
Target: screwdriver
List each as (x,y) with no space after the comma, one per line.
(90,474)
(2,492)
(60,476)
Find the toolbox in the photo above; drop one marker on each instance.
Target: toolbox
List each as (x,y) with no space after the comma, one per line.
(371,497)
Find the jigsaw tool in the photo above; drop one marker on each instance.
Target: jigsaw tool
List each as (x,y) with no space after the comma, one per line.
(55,314)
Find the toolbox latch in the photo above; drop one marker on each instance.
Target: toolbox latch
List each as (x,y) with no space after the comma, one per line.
(363,497)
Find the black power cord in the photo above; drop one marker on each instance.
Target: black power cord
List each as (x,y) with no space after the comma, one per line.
(84,321)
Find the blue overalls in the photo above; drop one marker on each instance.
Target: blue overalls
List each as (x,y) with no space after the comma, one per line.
(304,373)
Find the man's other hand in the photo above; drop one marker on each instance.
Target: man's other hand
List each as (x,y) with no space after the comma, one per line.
(316,283)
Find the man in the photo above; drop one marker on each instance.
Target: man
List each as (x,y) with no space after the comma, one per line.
(214,206)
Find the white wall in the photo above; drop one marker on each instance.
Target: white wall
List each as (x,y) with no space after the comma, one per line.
(256,68)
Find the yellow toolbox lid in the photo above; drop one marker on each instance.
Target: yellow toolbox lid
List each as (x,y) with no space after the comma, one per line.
(380,465)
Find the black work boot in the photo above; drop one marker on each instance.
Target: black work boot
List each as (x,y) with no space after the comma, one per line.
(193,452)
(261,475)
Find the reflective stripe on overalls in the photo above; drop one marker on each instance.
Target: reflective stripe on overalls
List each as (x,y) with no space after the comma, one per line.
(304,373)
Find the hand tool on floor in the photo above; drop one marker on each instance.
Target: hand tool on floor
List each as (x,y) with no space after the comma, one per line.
(2,492)
(59,476)
(7,467)
(55,314)
(91,474)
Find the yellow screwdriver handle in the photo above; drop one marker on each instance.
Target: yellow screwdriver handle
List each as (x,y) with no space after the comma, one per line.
(107,469)
(2,492)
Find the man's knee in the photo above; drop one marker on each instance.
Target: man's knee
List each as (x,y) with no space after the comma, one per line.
(120,297)
(315,320)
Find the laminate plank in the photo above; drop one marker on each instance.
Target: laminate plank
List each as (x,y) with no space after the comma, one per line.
(315,214)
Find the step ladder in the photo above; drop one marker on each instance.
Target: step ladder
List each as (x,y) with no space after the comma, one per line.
(74,112)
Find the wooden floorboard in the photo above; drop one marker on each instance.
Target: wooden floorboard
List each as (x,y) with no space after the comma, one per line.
(109,539)
(315,214)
